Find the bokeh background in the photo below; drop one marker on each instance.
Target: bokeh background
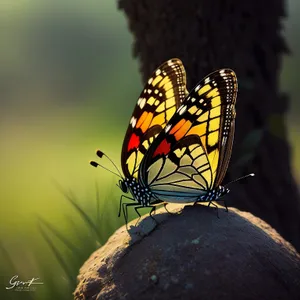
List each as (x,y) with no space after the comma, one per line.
(68,85)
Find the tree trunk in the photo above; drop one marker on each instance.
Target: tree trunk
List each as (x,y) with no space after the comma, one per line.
(244,36)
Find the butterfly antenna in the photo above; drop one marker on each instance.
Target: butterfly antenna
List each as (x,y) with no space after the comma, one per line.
(95,164)
(240,178)
(100,154)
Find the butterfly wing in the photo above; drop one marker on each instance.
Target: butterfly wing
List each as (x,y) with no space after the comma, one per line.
(162,95)
(191,155)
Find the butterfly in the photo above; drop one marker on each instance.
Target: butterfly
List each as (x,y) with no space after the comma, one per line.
(184,157)
(159,100)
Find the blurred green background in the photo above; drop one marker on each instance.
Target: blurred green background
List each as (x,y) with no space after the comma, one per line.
(68,85)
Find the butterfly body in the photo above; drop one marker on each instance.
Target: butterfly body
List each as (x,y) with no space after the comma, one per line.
(140,193)
(214,195)
(184,197)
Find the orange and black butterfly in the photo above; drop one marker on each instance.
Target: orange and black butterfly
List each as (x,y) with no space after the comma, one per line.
(177,152)
(161,97)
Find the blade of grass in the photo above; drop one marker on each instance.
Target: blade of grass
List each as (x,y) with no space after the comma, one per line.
(97,203)
(83,238)
(71,198)
(85,216)
(78,230)
(61,237)
(58,256)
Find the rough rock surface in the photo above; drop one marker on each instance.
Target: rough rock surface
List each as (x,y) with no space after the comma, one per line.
(193,255)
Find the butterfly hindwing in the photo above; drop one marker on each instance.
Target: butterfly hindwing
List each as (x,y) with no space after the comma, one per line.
(190,156)
(162,95)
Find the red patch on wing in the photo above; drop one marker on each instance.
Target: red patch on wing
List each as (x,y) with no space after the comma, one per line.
(163,148)
(134,142)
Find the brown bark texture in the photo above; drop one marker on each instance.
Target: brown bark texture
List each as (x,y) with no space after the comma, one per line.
(246,37)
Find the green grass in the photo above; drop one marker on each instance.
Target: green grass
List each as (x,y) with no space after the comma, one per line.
(89,228)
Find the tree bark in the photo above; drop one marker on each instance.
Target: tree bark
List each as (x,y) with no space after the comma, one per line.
(244,36)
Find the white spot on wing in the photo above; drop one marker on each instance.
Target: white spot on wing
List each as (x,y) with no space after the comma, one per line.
(158,71)
(133,122)
(182,109)
(167,127)
(142,103)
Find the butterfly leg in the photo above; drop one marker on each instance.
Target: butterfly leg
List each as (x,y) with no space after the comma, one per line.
(225,205)
(152,211)
(137,211)
(124,206)
(216,206)
(125,210)
(121,200)
(165,206)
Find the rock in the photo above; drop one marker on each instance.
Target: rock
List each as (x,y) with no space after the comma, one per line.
(193,255)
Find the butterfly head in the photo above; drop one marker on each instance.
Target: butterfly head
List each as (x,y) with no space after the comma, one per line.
(221,191)
(123,185)
(127,184)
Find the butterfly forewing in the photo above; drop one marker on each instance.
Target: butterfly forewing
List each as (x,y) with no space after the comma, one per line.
(190,156)
(162,95)
(226,145)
